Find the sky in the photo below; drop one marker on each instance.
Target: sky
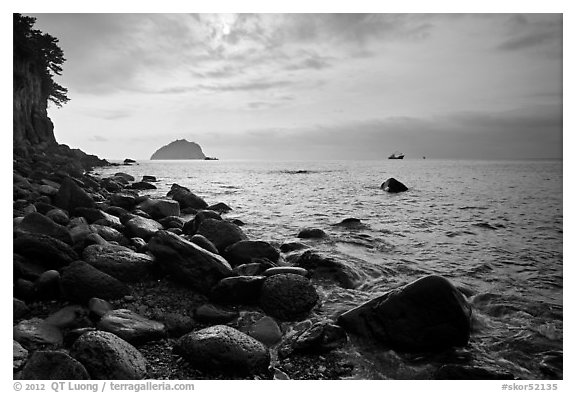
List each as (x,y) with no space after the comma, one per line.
(311,86)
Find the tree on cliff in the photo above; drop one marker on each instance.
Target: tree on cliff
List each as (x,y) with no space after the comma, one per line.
(41,50)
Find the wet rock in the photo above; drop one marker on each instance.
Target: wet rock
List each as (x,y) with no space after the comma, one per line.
(285,269)
(220,207)
(237,290)
(252,269)
(38,223)
(245,251)
(69,317)
(116,211)
(204,243)
(460,372)
(47,190)
(59,216)
(120,262)
(325,268)
(221,233)
(109,234)
(172,222)
(292,246)
(312,233)
(125,176)
(321,337)
(187,262)
(81,281)
(191,226)
(70,196)
(223,349)
(142,227)
(131,327)
(19,355)
(350,223)
(111,185)
(35,333)
(187,199)
(288,297)
(149,178)
(51,365)
(266,330)
(19,309)
(107,356)
(139,245)
(142,185)
(47,286)
(98,307)
(124,200)
(209,313)
(393,185)
(428,314)
(49,252)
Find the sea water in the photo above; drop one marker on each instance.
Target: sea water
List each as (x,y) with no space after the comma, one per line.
(494,228)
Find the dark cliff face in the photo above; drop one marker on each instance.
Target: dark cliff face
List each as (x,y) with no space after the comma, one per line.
(180,149)
(32,126)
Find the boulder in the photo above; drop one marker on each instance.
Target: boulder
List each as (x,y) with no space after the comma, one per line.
(107,356)
(142,185)
(312,233)
(321,337)
(99,307)
(70,196)
(39,223)
(126,177)
(393,185)
(119,262)
(225,350)
(285,269)
(172,222)
(47,190)
(160,208)
(51,365)
(47,286)
(292,246)
(221,233)
(142,227)
(69,317)
(187,262)
(209,313)
(244,251)
(266,330)
(35,333)
(237,290)
(131,327)
(252,269)
(46,250)
(24,289)
(187,199)
(81,281)
(59,216)
(428,314)
(149,178)
(288,297)
(125,200)
(111,185)
(191,227)
(204,243)
(19,355)
(324,268)
(220,207)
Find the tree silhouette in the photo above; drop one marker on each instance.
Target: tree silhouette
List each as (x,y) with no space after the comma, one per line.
(41,50)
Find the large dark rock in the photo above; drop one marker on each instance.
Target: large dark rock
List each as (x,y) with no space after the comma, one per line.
(191,226)
(245,251)
(266,330)
(69,317)
(35,333)
(220,207)
(187,262)
(288,297)
(110,234)
(70,196)
(131,327)
(321,337)
(237,290)
(312,233)
(46,250)
(51,365)
(39,223)
(81,281)
(325,268)
(142,185)
(426,315)
(225,350)
(47,286)
(126,200)
(59,216)
(221,233)
(142,227)
(119,262)
(204,243)
(187,199)
(211,314)
(393,185)
(160,208)
(107,356)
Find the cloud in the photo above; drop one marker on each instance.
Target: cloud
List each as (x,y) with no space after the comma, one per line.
(533,31)
(107,114)
(97,138)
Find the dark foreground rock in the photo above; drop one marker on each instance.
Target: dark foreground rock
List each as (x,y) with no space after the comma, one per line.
(39,223)
(225,350)
(71,195)
(107,356)
(393,185)
(47,251)
(187,262)
(119,262)
(131,327)
(142,227)
(81,281)
(288,297)
(221,233)
(35,333)
(51,365)
(244,251)
(429,314)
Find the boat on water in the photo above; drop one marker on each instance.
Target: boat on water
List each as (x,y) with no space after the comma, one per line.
(396,156)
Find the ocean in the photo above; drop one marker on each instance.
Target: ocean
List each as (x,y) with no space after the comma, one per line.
(494,228)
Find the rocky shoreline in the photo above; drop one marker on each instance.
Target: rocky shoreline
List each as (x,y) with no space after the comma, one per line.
(111,284)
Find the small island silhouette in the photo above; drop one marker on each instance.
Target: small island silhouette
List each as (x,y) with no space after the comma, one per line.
(179,149)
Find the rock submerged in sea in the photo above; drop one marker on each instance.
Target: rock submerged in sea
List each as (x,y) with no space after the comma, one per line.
(225,350)
(312,233)
(244,251)
(288,297)
(429,314)
(392,185)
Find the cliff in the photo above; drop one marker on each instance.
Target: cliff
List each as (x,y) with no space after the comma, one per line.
(180,149)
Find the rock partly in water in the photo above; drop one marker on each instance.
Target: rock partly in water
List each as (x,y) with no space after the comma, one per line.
(131,327)
(51,365)
(266,330)
(245,251)
(187,262)
(191,226)
(321,337)
(225,350)
(323,268)
(288,297)
(107,356)
(221,233)
(186,198)
(312,233)
(220,207)
(393,185)
(142,185)
(81,281)
(160,208)
(428,314)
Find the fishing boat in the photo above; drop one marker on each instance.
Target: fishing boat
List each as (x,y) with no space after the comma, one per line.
(396,156)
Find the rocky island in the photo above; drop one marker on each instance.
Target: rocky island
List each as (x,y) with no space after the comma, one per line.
(180,149)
